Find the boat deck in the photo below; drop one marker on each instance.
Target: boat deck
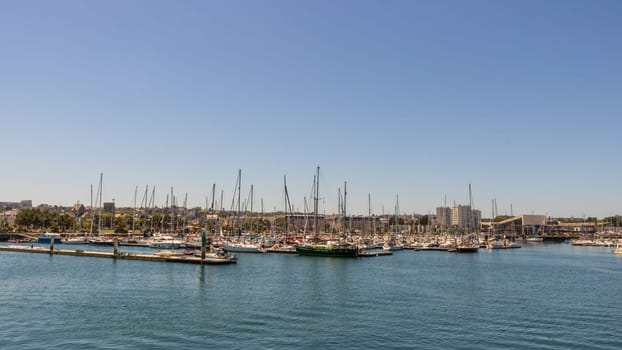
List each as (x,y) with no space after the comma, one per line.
(278,251)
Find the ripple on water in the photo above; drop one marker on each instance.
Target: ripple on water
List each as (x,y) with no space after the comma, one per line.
(542,297)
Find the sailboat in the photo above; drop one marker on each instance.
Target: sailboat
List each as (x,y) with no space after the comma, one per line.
(391,244)
(240,246)
(315,248)
(99,240)
(470,245)
(283,246)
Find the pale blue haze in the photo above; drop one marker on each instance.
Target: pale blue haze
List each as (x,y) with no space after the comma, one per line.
(421,98)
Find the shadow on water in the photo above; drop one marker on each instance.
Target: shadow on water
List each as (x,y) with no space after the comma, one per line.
(201,275)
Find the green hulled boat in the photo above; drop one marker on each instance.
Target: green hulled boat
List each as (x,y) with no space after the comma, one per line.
(337,250)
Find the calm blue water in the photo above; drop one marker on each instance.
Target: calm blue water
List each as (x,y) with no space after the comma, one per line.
(539,297)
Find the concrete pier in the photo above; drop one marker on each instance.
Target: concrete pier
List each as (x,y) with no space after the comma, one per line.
(118,255)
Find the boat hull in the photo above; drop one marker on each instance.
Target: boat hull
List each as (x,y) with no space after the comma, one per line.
(241,249)
(165,245)
(219,261)
(101,242)
(467,249)
(393,248)
(75,241)
(47,240)
(282,250)
(321,250)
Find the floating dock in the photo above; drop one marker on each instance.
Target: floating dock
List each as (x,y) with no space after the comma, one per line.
(119,255)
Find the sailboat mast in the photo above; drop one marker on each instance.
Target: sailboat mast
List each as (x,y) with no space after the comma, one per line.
(152,207)
(345,195)
(213,195)
(99,194)
(397,220)
(471,224)
(252,195)
(92,214)
(315,204)
(185,213)
(163,220)
(492,211)
(339,206)
(134,214)
(367,222)
(239,188)
(143,205)
(305,211)
(172,214)
(285,199)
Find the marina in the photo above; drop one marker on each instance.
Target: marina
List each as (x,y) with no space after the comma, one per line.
(311,175)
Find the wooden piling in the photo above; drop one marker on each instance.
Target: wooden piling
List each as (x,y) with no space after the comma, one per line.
(116,247)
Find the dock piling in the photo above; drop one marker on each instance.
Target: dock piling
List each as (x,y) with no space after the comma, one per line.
(203,244)
(116,247)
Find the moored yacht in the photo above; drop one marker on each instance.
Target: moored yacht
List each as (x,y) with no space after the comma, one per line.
(166,242)
(242,247)
(393,247)
(314,247)
(282,248)
(48,237)
(76,240)
(328,249)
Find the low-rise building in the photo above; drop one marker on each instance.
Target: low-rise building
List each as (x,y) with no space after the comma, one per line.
(8,216)
(17,205)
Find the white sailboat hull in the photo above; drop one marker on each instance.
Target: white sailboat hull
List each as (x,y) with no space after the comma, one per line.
(242,248)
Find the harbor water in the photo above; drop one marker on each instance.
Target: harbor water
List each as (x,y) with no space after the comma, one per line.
(543,296)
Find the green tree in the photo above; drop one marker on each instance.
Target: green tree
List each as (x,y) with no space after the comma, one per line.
(120,224)
(30,218)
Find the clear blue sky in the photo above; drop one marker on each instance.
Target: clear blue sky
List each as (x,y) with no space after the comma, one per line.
(522,99)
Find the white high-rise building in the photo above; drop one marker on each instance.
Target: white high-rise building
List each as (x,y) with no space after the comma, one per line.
(462,217)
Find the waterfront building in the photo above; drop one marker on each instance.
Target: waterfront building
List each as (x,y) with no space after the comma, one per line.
(109,207)
(8,216)
(522,225)
(16,205)
(462,217)
(443,217)
(48,208)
